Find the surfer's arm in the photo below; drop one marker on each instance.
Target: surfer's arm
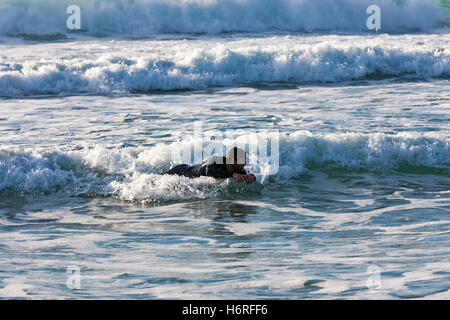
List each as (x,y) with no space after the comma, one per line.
(216,171)
(248,177)
(245,173)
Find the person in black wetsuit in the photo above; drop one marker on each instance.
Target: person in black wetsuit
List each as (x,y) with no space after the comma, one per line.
(232,165)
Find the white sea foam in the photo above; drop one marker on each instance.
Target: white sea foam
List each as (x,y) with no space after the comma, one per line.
(133,174)
(129,67)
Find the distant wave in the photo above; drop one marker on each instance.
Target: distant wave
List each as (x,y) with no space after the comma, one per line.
(221,65)
(135,173)
(47,19)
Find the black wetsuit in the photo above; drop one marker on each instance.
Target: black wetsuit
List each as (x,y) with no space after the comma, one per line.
(212,168)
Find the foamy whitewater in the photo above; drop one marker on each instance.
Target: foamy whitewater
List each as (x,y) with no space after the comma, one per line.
(91,119)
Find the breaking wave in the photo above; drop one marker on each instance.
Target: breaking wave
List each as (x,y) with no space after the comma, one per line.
(146,17)
(196,67)
(135,173)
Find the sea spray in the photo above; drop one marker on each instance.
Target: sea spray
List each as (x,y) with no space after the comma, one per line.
(174,65)
(134,174)
(147,17)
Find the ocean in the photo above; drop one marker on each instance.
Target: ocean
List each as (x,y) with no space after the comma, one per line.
(354,204)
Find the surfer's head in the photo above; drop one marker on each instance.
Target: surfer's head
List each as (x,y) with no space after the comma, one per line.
(235,159)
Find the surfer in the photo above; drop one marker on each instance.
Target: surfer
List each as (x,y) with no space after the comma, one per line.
(232,165)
